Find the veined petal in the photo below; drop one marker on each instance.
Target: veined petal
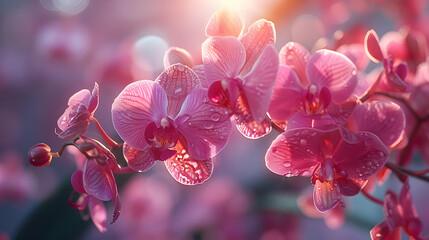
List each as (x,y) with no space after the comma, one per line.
(372,46)
(384,119)
(83,96)
(363,157)
(260,34)
(258,84)
(326,196)
(199,70)
(178,81)
(295,56)
(205,127)
(77,182)
(223,58)
(356,54)
(96,180)
(287,95)
(72,125)
(177,55)
(390,210)
(98,213)
(136,106)
(225,22)
(333,70)
(348,187)
(140,160)
(94,100)
(318,121)
(250,128)
(297,152)
(186,169)
(341,112)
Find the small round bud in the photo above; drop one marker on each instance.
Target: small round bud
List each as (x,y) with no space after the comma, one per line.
(413,227)
(39,155)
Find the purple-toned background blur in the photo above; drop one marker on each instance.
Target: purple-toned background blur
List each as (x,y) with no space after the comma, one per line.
(50,49)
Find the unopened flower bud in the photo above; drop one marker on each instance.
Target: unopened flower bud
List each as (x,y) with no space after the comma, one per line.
(39,155)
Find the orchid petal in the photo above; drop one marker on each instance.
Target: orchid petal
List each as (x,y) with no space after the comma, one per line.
(260,34)
(136,106)
(186,169)
(362,158)
(98,213)
(384,119)
(225,22)
(341,112)
(93,102)
(258,84)
(287,95)
(372,46)
(332,70)
(326,196)
(381,232)
(177,55)
(356,53)
(295,56)
(96,180)
(223,58)
(390,209)
(250,128)
(138,160)
(77,182)
(205,127)
(297,152)
(199,70)
(74,125)
(407,204)
(318,121)
(178,81)
(83,96)
(347,186)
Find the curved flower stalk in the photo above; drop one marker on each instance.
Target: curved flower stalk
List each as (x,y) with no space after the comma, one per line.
(338,163)
(319,96)
(81,107)
(171,120)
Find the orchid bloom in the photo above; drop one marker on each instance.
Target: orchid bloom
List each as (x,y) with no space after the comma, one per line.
(312,91)
(394,75)
(96,183)
(171,120)
(240,70)
(81,107)
(339,161)
(399,211)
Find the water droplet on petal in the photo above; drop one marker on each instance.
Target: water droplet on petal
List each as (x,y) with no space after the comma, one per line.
(178,90)
(303,142)
(215,116)
(180,67)
(208,125)
(287,164)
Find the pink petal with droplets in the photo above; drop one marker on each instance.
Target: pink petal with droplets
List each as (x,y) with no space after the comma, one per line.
(250,128)
(325,196)
(341,112)
(138,160)
(318,121)
(93,102)
(356,53)
(384,119)
(136,106)
(177,55)
(96,180)
(258,84)
(348,187)
(225,22)
(295,56)
(223,58)
(390,210)
(186,169)
(260,34)
(297,152)
(206,127)
(199,70)
(287,95)
(332,70)
(178,81)
(361,159)
(77,182)
(372,46)
(98,213)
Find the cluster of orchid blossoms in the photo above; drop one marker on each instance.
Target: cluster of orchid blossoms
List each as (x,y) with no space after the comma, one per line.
(341,127)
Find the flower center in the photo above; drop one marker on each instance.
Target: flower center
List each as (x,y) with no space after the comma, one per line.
(315,100)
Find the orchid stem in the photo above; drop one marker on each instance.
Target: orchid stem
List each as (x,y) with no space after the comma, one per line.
(103,134)
(398,170)
(124,170)
(372,198)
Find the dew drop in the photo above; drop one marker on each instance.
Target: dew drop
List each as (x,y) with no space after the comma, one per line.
(215,116)
(303,142)
(287,164)
(178,90)
(208,125)
(180,68)
(381,154)
(204,99)
(211,109)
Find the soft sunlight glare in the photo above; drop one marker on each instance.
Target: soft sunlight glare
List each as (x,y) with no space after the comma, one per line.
(68,7)
(149,52)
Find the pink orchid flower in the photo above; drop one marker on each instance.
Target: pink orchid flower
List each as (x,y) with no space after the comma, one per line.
(313,91)
(171,120)
(96,183)
(81,107)
(240,70)
(338,161)
(394,75)
(399,211)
